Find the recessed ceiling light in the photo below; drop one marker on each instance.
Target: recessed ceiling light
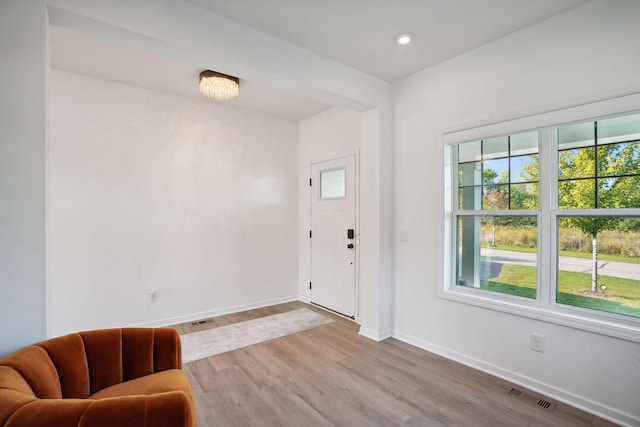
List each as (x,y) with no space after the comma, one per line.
(403,39)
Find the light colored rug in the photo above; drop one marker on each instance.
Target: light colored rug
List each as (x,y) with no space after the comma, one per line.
(207,343)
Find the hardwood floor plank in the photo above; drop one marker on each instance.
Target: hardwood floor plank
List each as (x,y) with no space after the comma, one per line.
(331,376)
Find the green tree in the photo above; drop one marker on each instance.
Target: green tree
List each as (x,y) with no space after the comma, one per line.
(527,196)
(494,196)
(614,185)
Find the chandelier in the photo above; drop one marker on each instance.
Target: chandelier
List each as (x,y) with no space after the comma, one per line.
(218,85)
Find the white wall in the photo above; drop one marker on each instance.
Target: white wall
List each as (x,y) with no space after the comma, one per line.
(332,134)
(178,30)
(151,190)
(376,226)
(22,176)
(586,54)
(335,133)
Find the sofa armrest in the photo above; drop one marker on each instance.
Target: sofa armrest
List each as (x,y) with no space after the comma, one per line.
(169,409)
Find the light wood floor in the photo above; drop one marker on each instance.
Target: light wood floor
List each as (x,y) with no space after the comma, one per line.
(332,376)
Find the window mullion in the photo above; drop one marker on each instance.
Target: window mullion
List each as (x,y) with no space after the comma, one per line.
(455,209)
(546,231)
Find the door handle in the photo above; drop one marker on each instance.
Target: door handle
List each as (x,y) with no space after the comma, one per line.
(350,246)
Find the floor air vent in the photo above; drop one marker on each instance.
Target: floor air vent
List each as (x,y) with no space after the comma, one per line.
(515,392)
(199,322)
(544,404)
(532,398)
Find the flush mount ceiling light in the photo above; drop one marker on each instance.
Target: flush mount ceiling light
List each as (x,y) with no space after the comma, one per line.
(404,39)
(218,85)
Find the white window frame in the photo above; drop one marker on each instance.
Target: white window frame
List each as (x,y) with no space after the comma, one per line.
(544,307)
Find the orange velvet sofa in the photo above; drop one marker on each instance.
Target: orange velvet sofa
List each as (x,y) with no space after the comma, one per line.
(103,378)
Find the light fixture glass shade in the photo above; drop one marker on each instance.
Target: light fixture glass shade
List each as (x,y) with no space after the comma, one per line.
(404,39)
(218,85)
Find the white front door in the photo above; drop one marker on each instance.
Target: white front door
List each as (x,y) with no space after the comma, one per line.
(333,235)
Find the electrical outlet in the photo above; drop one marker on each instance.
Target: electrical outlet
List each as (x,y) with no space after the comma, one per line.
(537,342)
(153,295)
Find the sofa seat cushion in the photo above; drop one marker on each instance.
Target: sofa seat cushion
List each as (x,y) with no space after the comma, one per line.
(160,382)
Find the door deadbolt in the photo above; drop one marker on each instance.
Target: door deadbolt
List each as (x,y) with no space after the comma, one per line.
(350,246)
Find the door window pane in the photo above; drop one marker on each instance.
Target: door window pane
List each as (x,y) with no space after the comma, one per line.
(333,184)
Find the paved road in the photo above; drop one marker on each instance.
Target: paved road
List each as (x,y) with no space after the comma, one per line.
(605,268)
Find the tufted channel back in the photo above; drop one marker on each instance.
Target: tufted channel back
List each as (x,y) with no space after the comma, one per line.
(81,364)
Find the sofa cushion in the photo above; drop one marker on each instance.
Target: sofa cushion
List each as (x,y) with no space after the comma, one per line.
(171,380)
(12,380)
(168,349)
(35,366)
(68,356)
(104,357)
(14,393)
(137,353)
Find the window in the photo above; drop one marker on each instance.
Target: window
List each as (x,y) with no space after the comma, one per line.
(549,221)
(598,184)
(498,187)
(333,184)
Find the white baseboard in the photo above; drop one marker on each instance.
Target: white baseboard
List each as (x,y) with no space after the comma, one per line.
(217,312)
(373,334)
(574,400)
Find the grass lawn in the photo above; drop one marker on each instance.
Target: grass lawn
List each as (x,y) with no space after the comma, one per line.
(622,295)
(515,280)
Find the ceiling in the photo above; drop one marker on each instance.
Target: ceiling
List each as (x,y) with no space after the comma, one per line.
(358,33)
(361,33)
(91,56)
